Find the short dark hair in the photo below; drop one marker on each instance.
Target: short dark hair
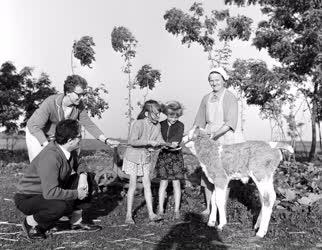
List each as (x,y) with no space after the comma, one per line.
(72,81)
(65,130)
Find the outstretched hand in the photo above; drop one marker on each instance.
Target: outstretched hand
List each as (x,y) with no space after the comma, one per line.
(112,143)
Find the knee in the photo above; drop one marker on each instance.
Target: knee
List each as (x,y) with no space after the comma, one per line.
(132,185)
(60,208)
(146,183)
(163,184)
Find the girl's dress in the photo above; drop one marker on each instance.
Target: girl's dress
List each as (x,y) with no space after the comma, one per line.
(137,159)
(170,164)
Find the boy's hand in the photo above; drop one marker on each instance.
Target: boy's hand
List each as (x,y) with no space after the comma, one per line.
(174,144)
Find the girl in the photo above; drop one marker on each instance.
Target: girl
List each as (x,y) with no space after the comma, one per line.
(145,133)
(169,165)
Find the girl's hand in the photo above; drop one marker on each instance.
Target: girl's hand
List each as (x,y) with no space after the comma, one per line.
(153,143)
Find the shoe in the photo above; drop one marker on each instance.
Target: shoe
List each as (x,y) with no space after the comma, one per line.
(33,233)
(86,227)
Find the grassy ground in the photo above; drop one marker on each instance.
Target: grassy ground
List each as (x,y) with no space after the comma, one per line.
(298,229)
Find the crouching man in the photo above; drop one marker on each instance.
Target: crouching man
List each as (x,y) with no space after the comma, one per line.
(54,185)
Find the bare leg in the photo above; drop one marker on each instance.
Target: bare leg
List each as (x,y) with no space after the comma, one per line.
(177,198)
(148,195)
(130,197)
(162,193)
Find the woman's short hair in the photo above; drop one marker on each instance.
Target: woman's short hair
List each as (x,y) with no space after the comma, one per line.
(172,107)
(65,130)
(72,81)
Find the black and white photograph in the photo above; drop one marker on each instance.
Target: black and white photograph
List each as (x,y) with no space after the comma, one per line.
(138,124)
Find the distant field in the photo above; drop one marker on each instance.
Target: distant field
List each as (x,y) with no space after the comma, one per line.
(88,144)
(92,144)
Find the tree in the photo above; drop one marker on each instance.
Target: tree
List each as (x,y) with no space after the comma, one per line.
(197,27)
(147,78)
(10,96)
(35,91)
(20,96)
(93,101)
(84,52)
(263,87)
(292,35)
(125,43)
(213,32)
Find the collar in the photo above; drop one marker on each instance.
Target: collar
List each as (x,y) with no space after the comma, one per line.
(217,96)
(66,153)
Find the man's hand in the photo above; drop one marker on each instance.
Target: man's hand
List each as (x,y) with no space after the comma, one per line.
(82,183)
(81,193)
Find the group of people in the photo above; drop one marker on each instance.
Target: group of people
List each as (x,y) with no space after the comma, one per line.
(56,185)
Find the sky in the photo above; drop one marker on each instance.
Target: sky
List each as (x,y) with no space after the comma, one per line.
(40,34)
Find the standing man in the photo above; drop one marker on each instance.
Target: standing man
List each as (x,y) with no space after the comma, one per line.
(41,125)
(218,114)
(54,185)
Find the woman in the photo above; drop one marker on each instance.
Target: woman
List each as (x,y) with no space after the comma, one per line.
(218,114)
(41,125)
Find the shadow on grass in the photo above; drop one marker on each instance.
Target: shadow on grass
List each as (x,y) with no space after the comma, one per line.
(104,203)
(191,233)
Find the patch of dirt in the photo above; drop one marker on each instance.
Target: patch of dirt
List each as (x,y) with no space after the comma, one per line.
(293,226)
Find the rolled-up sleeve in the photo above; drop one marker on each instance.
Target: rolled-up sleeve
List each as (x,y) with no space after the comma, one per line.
(135,138)
(38,120)
(230,103)
(200,119)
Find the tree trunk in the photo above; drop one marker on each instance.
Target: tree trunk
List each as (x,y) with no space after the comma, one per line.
(72,61)
(313,121)
(320,136)
(129,106)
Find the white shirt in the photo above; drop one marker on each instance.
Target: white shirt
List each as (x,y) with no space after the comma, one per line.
(66,153)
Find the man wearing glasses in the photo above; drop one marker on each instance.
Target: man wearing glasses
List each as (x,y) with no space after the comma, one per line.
(55,185)
(41,125)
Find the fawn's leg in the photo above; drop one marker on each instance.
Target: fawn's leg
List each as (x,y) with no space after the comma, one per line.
(268,194)
(221,194)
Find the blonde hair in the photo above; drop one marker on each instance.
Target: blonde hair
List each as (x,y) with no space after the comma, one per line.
(174,106)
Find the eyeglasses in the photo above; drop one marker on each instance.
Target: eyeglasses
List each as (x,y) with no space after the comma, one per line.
(78,136)
(79,95)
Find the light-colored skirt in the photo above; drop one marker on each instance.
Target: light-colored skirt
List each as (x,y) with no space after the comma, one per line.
(132,168)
